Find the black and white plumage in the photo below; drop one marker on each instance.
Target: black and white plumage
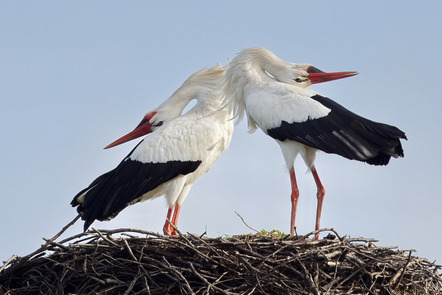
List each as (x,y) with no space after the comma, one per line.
(274,95)
(180,149)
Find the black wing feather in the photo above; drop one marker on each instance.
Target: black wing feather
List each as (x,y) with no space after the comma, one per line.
(344,133)
(111,192)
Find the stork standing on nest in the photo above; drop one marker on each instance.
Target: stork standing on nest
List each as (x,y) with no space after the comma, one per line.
(274,95)
(179,150)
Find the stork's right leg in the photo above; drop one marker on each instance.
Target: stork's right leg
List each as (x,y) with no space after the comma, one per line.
(294,198)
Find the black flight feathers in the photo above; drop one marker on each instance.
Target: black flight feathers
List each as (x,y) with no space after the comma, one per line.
(344,133)
(111,192)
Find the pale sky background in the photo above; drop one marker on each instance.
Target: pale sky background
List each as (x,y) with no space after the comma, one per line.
(74,76)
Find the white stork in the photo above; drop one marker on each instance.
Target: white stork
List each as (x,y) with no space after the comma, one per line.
(168,161)
(274,95)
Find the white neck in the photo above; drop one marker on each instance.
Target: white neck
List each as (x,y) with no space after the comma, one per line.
(199,86)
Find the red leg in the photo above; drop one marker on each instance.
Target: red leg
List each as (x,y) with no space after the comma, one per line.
(294,198)
(320,195)
(175,218)
(167,229)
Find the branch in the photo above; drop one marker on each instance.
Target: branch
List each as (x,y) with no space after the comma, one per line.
(246,223)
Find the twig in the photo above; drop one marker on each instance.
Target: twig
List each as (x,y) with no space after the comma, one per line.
(209,285)
(316,232)
(6,263)
(362,267)
(131,285)
(130,250)
(48,242)
(179,233)
(180,276)
(400,273)
(105,238)
(308,278)
(245,222)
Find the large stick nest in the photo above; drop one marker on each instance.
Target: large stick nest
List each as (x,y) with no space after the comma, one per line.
(127,261)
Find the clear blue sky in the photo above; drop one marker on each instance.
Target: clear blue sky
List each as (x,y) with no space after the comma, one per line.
(74,76)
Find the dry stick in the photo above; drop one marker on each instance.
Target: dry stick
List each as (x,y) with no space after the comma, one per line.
(308,278)
(61,246)
(174,227)
(205,243)
(180,276)
(76,237)
(209,285)
(146,276)
(132,284)
(46,245)
(105,238)
(252,269)
(245,222)
(204,233)
(179,233)
(195,249)
(6,263)
(129,250)
(400,273)
(324,229)
(220,277)
(146,283)
(361,268)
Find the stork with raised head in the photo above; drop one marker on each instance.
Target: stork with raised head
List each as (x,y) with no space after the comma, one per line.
(179,150)
(274,95)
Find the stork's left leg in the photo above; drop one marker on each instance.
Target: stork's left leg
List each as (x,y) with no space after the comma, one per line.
(320,195)
(167,229)
(294,199)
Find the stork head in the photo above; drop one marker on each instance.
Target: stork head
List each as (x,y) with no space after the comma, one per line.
(305,75)
(146,126)
(263,60)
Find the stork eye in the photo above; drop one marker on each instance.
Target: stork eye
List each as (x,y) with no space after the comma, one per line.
(299,80)
(159,124)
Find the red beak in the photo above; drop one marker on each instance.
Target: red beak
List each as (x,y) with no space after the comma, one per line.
(145,127)
(317,76)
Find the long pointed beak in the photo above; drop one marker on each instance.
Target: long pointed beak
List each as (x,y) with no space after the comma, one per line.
(317,76)
(145,127)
